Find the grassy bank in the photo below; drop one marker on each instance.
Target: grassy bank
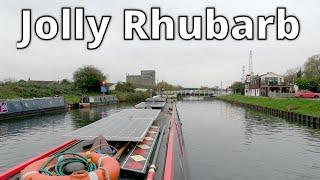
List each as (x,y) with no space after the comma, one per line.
(302,106)
(23,89)
(72,94)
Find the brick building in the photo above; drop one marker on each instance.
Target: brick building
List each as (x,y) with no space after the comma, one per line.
(267,85)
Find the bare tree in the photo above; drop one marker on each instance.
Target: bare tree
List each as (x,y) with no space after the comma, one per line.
(312,67)
(292,74)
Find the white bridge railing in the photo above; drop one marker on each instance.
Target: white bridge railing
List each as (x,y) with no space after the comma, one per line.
(196,93)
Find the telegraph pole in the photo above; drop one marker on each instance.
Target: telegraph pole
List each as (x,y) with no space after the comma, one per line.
(243,74)
(250,64)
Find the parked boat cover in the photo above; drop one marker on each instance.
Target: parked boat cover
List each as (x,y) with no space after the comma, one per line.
(25,105)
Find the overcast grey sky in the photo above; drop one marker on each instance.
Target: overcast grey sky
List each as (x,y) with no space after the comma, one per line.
(188,63)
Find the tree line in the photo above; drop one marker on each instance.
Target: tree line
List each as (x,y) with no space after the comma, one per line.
(307,76)
(89,78)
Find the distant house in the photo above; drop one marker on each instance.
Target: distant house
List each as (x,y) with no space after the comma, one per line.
(42,83)
(111,86)
(267,85)
(229,90)
(140,90)
(252,86)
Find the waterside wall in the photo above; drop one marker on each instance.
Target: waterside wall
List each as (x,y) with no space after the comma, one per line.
(308,120)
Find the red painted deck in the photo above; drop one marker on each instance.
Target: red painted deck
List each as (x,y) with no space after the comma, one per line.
(15,170)
(168,173)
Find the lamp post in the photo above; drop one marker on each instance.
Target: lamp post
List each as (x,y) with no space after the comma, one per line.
(103,87)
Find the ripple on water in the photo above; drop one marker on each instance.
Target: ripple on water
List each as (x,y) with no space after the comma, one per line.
(21,139)
(243,144)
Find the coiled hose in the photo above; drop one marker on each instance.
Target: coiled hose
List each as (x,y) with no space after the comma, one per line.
(63,161)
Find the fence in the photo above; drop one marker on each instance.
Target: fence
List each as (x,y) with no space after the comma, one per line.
(281,95)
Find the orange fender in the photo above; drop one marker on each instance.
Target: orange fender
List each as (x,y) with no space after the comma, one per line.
(106,166)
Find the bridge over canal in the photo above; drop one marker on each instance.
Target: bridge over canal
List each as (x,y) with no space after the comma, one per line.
(195,92)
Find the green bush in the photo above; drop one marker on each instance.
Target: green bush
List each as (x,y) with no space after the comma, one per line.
(88,78)
(32,90)
(71,93)
(132,96)
(307,84)
(124,87)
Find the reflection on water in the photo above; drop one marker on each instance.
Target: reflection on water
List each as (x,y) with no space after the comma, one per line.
(83,117)
(229,142)
(21,139)
(223,141)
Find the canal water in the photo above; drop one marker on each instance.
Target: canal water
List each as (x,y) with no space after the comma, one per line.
(228,142)
(223,141)
(22,139)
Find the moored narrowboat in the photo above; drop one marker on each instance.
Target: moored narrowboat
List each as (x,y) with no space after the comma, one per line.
(156,102)
(89,101)
(130,144)
(12,108)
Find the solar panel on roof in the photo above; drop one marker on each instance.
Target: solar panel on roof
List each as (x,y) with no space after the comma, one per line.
(126,125)
(156,99)
(150,104)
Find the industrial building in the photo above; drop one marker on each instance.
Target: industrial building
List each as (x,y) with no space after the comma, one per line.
(147,79)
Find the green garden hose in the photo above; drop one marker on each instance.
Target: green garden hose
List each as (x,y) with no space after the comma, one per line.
(62,162)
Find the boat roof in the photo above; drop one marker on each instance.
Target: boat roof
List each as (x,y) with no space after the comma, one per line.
(126,125)
(151,104)
(156,99)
